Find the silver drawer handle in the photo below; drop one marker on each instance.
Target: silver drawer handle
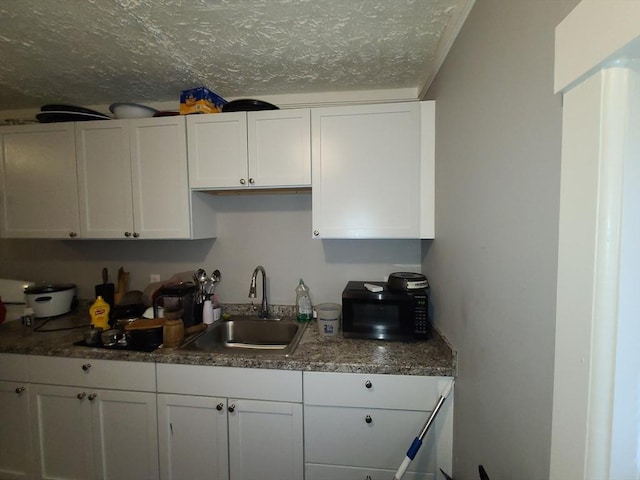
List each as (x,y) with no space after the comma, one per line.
(19,390)
(368,384)
(232,408)
(81,395)
(86,367)
(219,406)
(92,397)
(368,419)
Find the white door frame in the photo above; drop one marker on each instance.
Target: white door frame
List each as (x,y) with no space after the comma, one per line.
(596,408)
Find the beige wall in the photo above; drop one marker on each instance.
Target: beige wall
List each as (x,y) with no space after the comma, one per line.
(271,230)
(493,264)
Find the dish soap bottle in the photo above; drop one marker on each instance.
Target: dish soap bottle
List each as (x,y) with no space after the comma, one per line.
(304,311)
(99,312)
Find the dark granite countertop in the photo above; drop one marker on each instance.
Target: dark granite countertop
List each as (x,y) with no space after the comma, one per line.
(433,357)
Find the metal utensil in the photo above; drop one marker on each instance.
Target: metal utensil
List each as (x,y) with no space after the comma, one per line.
(201,276)
(215,278)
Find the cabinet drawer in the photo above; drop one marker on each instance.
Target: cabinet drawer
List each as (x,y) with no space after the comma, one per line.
(405,392)
(334,472)
(13,367)
(251,383)
(342,436)
(107,374)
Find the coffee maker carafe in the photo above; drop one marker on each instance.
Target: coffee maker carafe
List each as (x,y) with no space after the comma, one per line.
(179,301)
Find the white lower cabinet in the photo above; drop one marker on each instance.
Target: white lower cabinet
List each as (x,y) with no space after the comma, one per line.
(192,434)
(70,418)
(265,440)
(230,423)
(15,434)
(84,432)
(360,426)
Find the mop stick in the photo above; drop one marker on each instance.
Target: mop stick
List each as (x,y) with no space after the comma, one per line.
(417,442)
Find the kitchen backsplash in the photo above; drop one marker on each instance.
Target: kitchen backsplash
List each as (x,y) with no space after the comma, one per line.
(269,230)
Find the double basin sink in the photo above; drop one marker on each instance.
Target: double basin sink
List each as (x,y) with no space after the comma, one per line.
(244,334)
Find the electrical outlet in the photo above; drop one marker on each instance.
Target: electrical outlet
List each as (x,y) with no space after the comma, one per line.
(154,277)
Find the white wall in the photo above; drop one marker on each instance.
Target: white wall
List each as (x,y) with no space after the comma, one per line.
(493,264)
(271,230)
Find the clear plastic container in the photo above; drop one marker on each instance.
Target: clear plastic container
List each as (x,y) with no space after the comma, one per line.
(304,310)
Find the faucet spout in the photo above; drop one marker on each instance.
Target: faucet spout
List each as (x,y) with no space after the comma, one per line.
(264,309)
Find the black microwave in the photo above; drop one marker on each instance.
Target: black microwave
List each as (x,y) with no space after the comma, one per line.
(385,314)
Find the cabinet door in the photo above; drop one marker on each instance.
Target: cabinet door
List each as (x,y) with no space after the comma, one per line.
(125,443)
(366,171)
(192,432)
(217,150)
(38,182)
(338,472)
(159,178)
(61,420)
(104,179)
(367,437)
(15,436)
(279,148)
(265,440)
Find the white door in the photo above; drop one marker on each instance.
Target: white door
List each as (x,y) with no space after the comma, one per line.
(265,440)
(15,436)
(366,171)
(61,430)
(104,179)
(160,178)
(124,435)
(218,150)
(38,182)
(279,148)
(192,432)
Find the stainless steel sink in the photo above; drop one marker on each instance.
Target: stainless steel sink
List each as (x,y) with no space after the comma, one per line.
(249,335)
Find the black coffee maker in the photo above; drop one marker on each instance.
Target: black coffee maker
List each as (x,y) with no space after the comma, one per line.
(179,301)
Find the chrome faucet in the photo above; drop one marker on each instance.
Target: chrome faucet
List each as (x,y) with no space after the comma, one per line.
(264,312)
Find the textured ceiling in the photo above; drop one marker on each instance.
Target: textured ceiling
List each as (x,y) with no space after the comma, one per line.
(89,52)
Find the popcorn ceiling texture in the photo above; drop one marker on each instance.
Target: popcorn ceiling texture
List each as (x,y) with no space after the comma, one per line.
(103,51)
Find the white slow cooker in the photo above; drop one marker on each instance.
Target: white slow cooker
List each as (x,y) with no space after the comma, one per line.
(50,300)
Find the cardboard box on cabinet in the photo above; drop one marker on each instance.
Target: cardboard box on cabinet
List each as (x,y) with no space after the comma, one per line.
(200,100)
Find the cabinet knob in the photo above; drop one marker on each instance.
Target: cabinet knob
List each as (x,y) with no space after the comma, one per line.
(368,477)
(252,181)
(316,233)
(136,234)
(242,181)
(73,234)
(127,234)
(219,406)
(368,419)
(86,367)
(232,408)
(19,390)
(92,397)
(368,384)
(81,395)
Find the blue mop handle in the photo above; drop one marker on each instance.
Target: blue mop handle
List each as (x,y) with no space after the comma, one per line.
(413,449)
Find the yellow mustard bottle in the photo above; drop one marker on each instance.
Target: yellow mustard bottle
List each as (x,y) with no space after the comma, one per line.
(99,312)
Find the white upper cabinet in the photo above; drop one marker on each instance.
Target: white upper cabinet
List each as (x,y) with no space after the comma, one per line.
(236,150)
(133,181)
(104,177)
(373,171)
(38,182)
(159,177)
(279,148)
